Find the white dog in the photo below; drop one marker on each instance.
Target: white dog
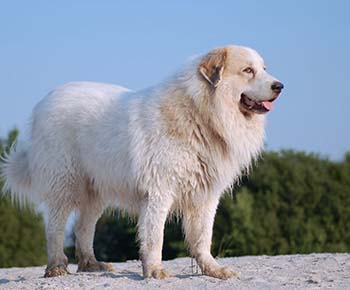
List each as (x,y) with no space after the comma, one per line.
(173,148)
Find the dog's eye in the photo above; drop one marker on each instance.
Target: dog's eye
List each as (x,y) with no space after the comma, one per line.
(248,70)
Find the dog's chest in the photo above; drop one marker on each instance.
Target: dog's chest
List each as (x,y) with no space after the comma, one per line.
(245,145)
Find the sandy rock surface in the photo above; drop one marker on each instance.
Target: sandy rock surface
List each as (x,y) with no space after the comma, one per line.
(314,271)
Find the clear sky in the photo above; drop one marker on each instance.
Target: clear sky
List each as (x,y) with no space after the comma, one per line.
(306,44)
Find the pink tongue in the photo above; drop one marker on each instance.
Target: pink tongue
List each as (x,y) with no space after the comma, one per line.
(268,105)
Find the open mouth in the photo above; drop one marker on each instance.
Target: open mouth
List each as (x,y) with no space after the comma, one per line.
(259,107)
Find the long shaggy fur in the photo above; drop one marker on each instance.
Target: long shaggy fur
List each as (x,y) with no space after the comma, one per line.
(174,147)
(15,172)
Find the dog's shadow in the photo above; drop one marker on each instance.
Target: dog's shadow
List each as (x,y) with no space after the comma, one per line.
(124,274)
(5,281)
(137,277)
(187,276)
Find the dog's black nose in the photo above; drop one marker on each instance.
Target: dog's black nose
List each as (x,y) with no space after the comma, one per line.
(277,87)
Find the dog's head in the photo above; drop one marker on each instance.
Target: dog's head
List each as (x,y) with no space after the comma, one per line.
(240,73)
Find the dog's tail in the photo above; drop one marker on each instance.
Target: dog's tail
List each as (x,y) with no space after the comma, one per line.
(14,171)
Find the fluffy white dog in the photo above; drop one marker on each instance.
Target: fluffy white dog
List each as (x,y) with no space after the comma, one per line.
(171,148)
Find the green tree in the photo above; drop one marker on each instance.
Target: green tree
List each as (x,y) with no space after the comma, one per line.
(116,240)
(292,203)
(22,237)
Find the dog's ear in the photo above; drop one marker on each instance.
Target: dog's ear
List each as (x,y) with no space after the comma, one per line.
(212,66)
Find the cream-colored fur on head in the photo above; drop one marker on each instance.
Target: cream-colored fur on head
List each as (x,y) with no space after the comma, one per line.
(172,148)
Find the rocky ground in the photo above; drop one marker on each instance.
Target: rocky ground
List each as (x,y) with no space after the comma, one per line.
(314,271)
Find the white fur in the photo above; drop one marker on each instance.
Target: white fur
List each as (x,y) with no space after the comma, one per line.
(95,145)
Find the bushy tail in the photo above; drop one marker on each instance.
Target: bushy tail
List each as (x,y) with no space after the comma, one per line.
(14,171)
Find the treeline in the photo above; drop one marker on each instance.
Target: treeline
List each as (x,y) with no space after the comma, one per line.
(292,202)
(22,236)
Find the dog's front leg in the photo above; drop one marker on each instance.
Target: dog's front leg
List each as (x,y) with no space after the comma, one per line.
(198,219)
(153,214)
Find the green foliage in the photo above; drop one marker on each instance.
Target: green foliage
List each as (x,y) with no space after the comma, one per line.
(22,237)
(119,234)
(116,240)
(291,203)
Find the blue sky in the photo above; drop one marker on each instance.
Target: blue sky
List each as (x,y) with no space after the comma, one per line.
(306,44)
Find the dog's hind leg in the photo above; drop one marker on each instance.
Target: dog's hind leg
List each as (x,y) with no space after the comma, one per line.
(84,232)
(58,212)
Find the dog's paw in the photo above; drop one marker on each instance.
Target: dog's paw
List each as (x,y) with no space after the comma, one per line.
(94,266)
(157,272)
(55,271)
(220,272)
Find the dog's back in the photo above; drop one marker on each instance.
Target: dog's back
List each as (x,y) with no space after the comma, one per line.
(65,125)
